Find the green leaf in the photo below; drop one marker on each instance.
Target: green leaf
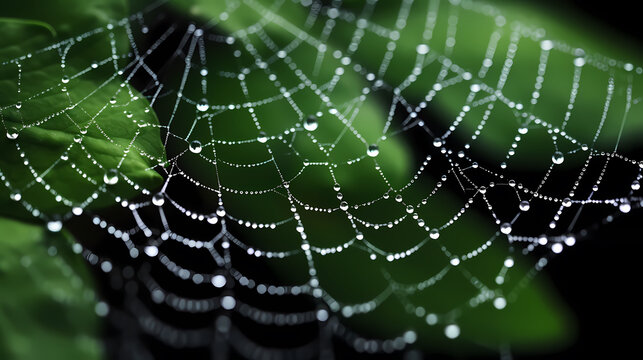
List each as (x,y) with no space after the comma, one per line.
(55,94)
(47,307)
(533,320)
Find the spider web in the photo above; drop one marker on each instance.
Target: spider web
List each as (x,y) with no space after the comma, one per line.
(236,178)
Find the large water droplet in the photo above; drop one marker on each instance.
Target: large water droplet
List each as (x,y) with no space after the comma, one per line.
(437,142)
(625,206)
(373,150)
(151,250)
(636,185)
(158,199)
(558,158)
(15,195)
(505,228)
(310,123)
(65,79)
(55,226)
(567,202)
(422,49)
(196,147)
(434,233)
(579,61)
(221,211)
(111,177)
(452,331)
(499,303)
(12,133)
(218,281)
(343,205)
(203,105)
(524,205)
(262,138)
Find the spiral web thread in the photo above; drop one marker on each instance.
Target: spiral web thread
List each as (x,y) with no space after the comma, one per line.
(152,228)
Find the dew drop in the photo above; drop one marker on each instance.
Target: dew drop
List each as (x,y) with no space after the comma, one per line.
(505,228)
(196,147)
(262,138)
(409,209)
(204,72)
(343,205)
(218,281)
(111,177)
(499,303)
(636,185)
(203,105)
(452,331)
(434,233)
(65,79)
(579,61)
(12,133)
(158,199)
(524,205)
(228,302)
(213,219)
(558,158)
(431,319)
(151,251)
(310,123)
(220,211)
(437,142)
(64,156)
(567,202)
(422,49)
(19,105)
(625,207)
(55,226)
(15,195)
(373,150)
(546,45)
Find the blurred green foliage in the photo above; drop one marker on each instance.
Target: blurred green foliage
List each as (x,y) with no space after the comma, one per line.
(47,302)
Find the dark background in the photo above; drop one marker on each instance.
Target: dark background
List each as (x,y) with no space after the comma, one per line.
(599,278)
